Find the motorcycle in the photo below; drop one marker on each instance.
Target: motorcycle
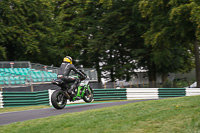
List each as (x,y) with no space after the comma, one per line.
(59,97)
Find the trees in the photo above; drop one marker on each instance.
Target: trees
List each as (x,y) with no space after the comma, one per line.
(2,53)
(112,36)
(25,27)
(186,18)
(169,51)
(116,38)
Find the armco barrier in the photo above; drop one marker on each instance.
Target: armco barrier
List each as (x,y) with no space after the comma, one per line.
(171,92)
(109,94)
(192,91)
(14,99)
(1,100)
(142,93)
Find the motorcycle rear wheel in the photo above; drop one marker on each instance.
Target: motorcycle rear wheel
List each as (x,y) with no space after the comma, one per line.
(59,99)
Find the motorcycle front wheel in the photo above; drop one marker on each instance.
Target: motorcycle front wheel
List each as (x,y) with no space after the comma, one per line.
(88,98)
(59,99)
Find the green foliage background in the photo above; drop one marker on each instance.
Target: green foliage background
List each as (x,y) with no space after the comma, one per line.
(116,36)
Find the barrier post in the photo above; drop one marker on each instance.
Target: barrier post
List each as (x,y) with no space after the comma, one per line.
(130,84)
(114,85)
(105,86)
(122,86)
(143,83)
(31,87)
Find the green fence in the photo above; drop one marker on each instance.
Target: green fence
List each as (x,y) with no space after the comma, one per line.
(171,92)
(14,99)
(109,94)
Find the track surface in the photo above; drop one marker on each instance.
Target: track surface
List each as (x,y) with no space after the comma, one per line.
(11,117)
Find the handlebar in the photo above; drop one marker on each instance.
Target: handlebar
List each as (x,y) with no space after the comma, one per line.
(83,73)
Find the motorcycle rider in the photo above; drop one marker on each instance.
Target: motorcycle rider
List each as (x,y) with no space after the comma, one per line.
(64,71)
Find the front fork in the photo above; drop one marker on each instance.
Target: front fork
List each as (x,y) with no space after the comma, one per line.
(78,93)
(81,90)
(88,91)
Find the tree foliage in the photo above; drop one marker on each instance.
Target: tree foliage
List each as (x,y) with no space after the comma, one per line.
(171,33)
(113,36)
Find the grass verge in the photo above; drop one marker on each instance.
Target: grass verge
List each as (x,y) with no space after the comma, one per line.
(166,115)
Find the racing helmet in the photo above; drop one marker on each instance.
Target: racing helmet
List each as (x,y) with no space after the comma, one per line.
(68,59)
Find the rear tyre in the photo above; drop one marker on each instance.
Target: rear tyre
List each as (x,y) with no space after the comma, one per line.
(59,99)
(88,98)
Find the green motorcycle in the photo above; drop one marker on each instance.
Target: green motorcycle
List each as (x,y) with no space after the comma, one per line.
(59,97)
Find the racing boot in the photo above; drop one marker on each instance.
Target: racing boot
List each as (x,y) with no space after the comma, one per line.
(71,92)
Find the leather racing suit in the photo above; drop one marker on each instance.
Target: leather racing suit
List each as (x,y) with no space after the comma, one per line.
(63,73)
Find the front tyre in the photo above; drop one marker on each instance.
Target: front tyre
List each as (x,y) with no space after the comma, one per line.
(88,96)
(59,99)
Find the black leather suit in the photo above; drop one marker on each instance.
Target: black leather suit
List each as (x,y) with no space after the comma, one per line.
(64,71)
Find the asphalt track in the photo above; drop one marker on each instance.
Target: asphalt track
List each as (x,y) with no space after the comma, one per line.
(11,117)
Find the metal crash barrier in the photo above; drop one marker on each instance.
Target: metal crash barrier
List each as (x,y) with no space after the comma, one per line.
(18,99)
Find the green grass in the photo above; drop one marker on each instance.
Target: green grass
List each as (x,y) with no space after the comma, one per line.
(176,115)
